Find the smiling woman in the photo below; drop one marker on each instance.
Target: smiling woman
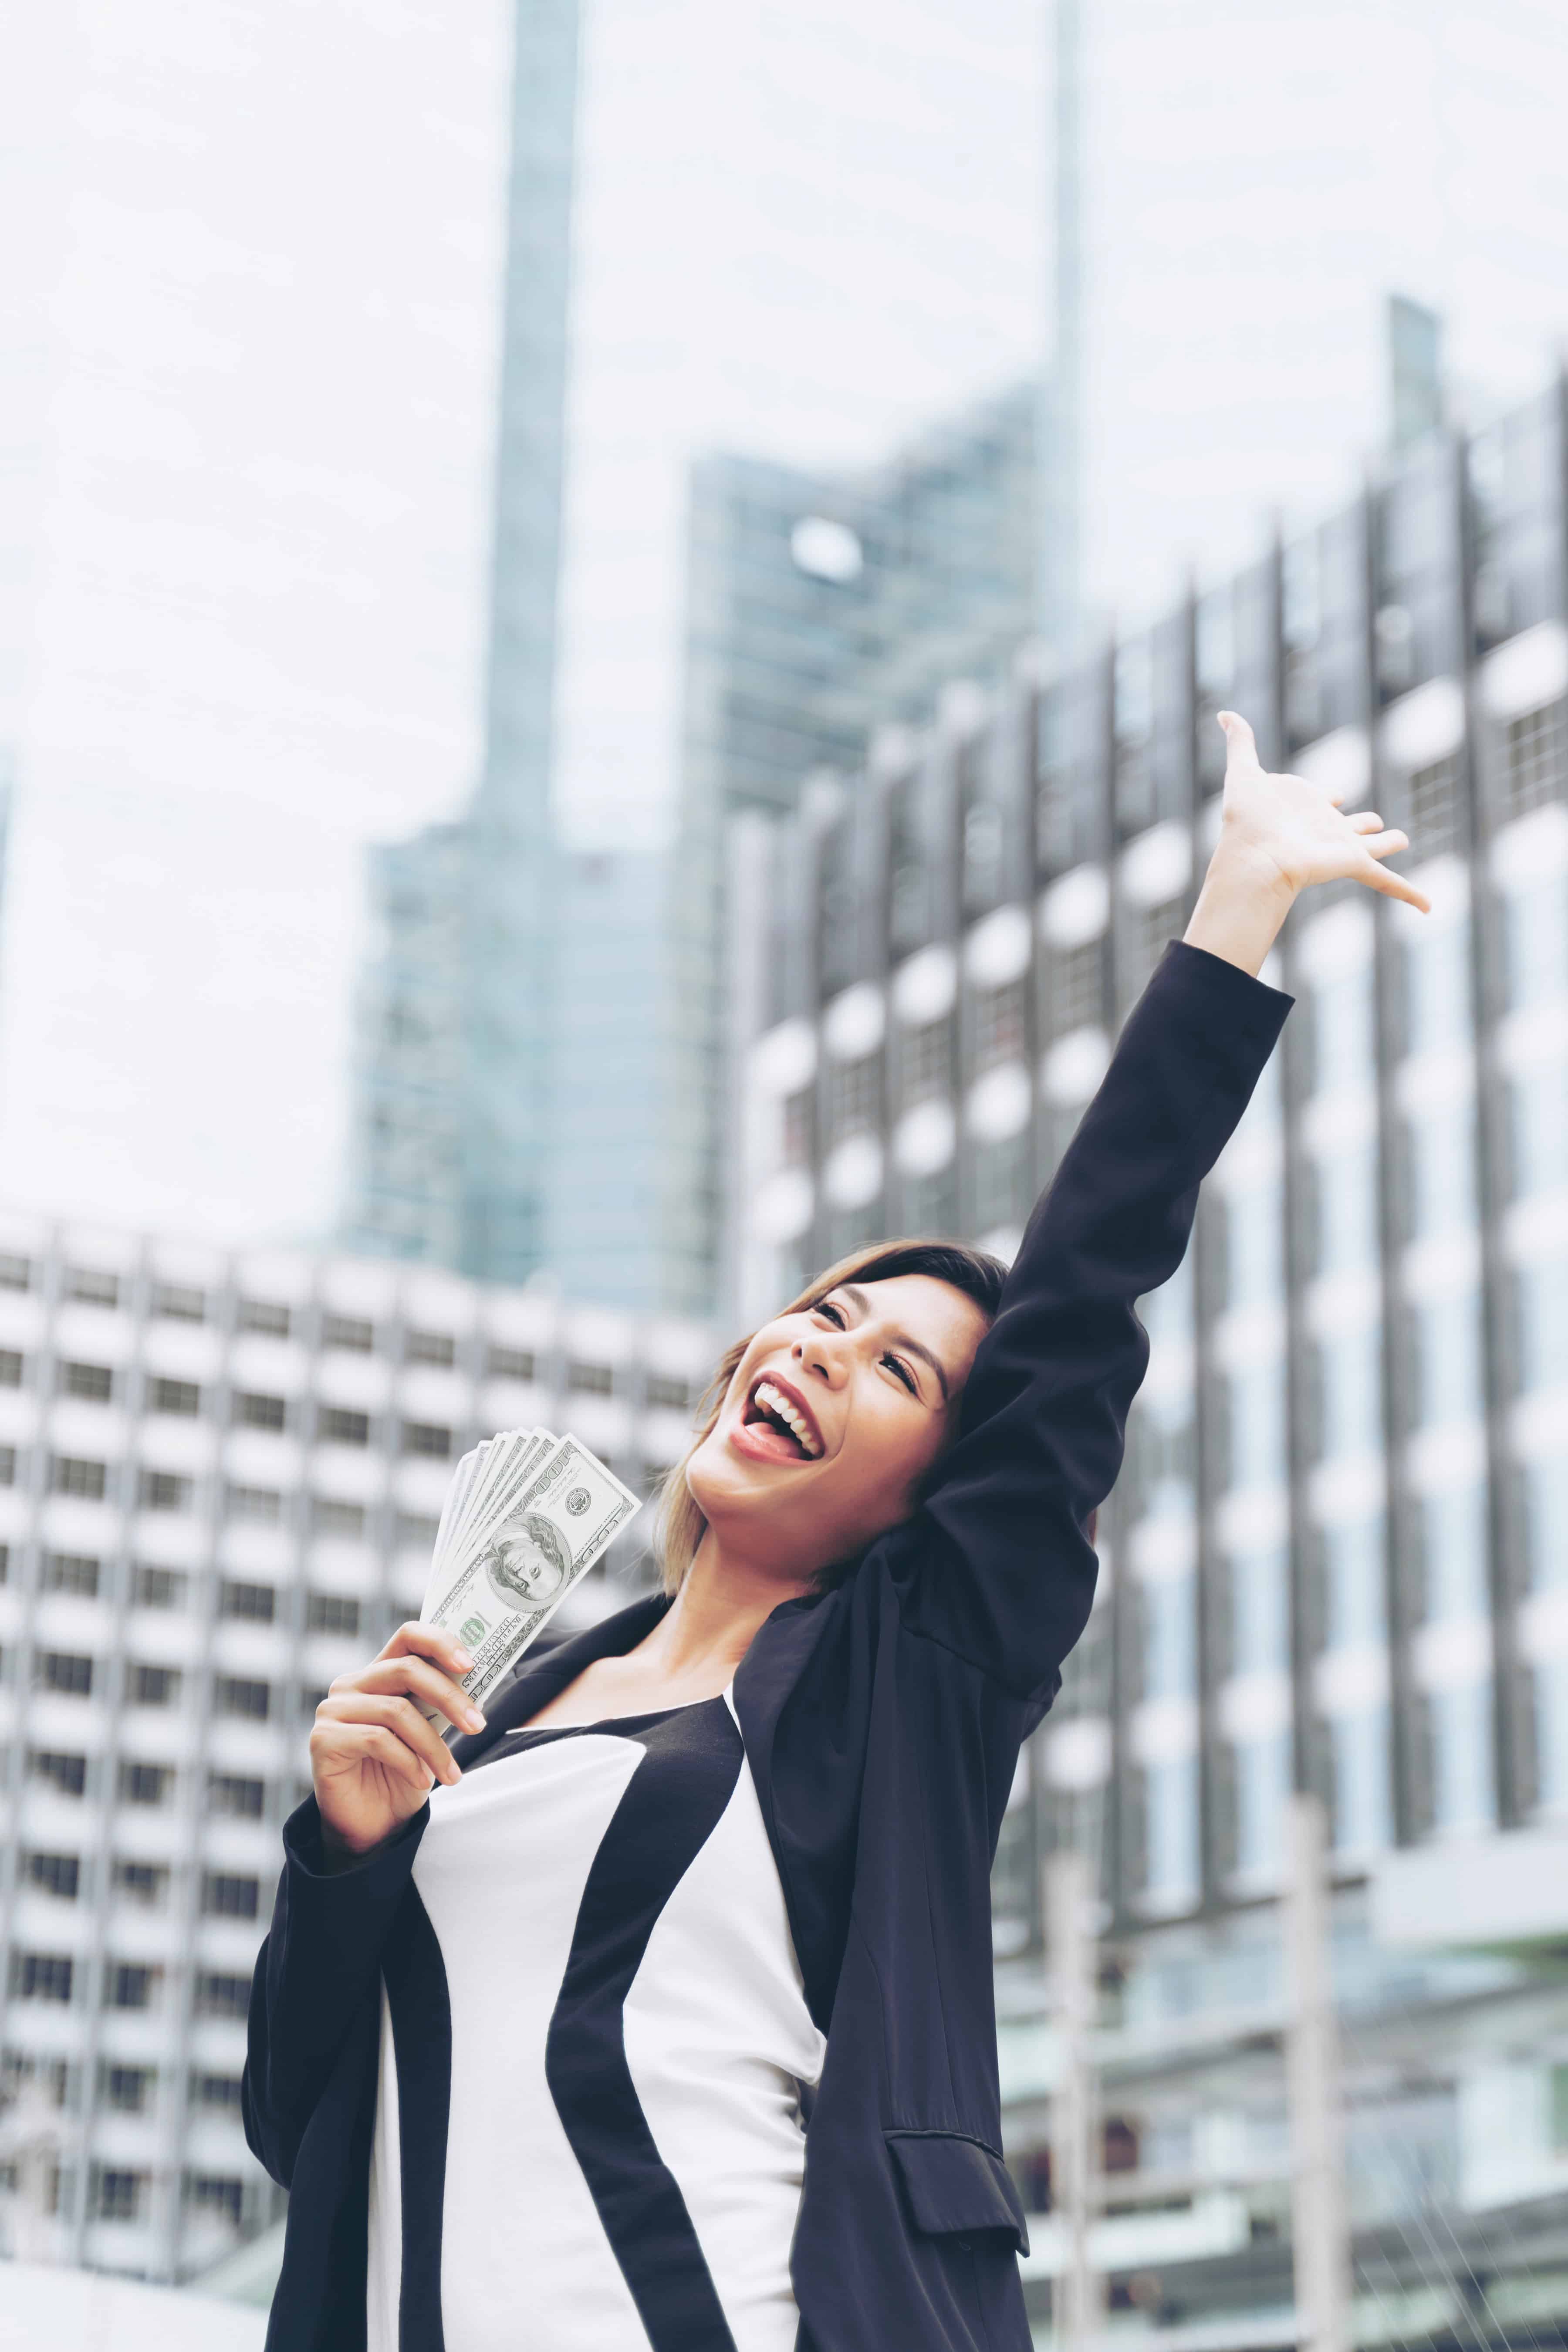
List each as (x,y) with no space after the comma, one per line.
(664,2019)
(883,1343)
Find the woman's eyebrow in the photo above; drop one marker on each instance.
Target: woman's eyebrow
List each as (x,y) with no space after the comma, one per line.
(861,1304)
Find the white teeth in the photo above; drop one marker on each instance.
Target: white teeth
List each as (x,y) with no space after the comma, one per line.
(777,1402)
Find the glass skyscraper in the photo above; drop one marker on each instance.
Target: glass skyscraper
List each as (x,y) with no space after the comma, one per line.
(820,609)
(456,1013)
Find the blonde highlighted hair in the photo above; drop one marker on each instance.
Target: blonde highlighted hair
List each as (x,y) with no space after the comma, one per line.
(681,1527)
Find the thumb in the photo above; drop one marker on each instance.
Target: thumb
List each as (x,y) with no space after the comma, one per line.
(1241,746)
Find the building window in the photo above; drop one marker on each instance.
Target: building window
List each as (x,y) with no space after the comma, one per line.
(429,1348)
(1001,1182)
(853,1096)
(1434,821)
(127,2088)
(67,1775)
(157,1587)
(228,1897)
(16,1273)
(91,1286)
(510,1363)
(590,1380)
(210,2192)
(145,1784)
(1535,756)
(240,1798)
(1343,1193)
(216,2091)
(338,1424)
(263,1505)
(152,1686)
(129,1984)
(1000,1032)
(1153,927)
(254,1412)
(265,1316)
(348,1331)
(164,1490)
(174,1396)
(179,1301)
(430,1439)
(330,1613)
(1075,986)
(7,1466)
(665,1390)
(120,2195)
(222,1996)
(330,1517)
(71,1571)
(146,1883)
(10,1368)
(63,1671)
(1444,1338)
(925,1062)
(796,1125)
(41,1976)
(416,1532)
(54,1873)
(69,1476)
(1535,947)
(257,1603)
(237,1694)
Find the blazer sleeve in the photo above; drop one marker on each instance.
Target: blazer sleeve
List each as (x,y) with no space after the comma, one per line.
(999,1565)
(319,1964)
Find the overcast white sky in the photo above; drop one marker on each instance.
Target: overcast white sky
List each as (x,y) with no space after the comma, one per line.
(250,258)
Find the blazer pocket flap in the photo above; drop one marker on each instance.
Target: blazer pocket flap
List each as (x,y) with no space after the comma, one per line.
(956,2183)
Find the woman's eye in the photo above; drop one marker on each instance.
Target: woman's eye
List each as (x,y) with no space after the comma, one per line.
(903,1372)
(830,1313)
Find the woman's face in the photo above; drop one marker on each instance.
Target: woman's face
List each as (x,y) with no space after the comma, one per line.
(833,1416)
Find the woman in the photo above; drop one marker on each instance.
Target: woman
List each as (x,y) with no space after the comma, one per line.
(657,2010)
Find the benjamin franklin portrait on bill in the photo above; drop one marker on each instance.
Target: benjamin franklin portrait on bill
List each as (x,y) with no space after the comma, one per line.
(528,1564)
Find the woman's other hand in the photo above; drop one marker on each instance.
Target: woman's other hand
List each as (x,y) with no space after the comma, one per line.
(1279,835)
(374,1757)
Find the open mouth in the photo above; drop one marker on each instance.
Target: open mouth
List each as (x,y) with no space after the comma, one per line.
(781,1423)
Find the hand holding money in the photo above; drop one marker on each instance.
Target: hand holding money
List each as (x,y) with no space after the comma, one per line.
(375,1751)
(528,1514)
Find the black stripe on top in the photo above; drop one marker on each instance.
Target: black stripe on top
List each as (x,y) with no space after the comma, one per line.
(416,1996)
(670,1807)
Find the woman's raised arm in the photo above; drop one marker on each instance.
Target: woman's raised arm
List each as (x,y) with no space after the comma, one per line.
(1010,1577)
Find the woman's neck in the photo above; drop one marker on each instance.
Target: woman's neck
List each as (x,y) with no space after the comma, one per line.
(723,1603)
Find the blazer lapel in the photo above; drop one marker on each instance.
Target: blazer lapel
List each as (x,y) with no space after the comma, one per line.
(542,1675)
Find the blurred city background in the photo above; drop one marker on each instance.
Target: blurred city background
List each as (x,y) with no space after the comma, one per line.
(610,624)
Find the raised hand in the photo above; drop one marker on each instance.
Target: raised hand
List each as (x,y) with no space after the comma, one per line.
(374,1757)
(1279,835)
(1295,830)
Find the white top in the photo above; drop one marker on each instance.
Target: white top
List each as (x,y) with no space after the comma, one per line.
(594,2039)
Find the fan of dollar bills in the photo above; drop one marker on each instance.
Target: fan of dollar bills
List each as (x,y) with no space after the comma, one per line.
(526,1516)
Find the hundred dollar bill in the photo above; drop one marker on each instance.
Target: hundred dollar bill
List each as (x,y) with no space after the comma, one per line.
(497,1592)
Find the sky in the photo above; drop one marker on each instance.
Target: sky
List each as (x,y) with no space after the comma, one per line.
(248,357)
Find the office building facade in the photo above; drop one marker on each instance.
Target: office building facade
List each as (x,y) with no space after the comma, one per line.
(1334,1560)
(1334,1540)
(819,607)
(219,1483)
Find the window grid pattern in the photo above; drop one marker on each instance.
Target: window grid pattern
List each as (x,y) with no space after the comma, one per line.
(195,1473)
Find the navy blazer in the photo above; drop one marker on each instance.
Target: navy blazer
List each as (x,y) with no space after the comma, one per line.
(882,1721)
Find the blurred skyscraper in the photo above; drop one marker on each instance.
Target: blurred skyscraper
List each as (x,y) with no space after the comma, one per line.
(820,606)
(456,1015)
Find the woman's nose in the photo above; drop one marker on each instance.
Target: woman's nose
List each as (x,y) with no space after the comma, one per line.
(815,1354)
